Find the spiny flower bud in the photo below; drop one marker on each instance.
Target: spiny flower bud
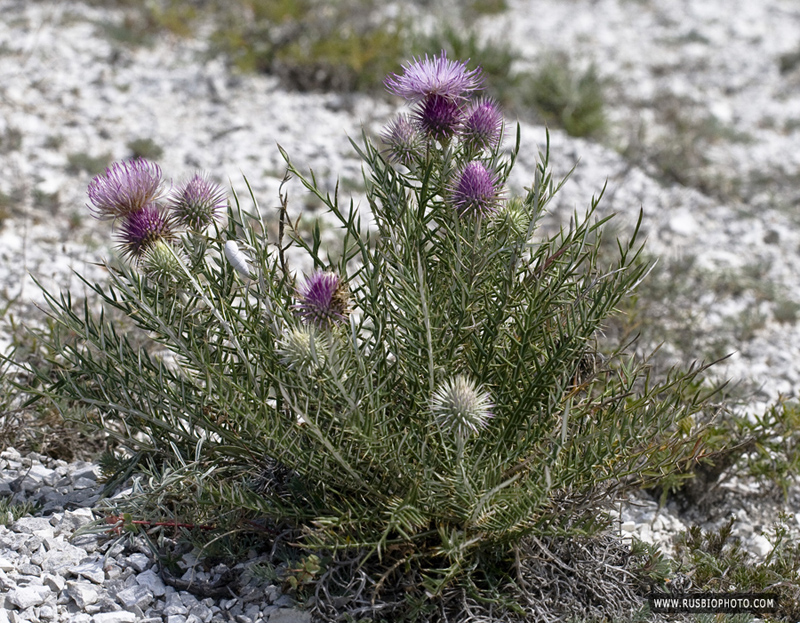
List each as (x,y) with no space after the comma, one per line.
(161,263)
(513,219)
(303,349)
(438,117)
(458,405)
(197,203)
(124,187)
(403,140)
(142,229)
(475,190)
(482,125)
(323,300)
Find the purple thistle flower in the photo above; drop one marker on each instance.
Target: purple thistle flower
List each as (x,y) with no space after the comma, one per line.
(434,76)
(124,187)
(482,124)
(323,300)
(438,116)
(197,203)
(142,229)
(403,140)
(475,190)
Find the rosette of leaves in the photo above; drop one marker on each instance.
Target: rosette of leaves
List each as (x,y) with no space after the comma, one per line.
(347,454)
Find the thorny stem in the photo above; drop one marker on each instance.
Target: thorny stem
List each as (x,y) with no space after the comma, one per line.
(284,208)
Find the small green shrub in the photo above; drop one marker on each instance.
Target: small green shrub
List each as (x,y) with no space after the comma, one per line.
(486,7)
(10,512)
(426,406)
(571,100)
(81,162)
(716,562)
(772,441)
(311,45)
(145,148)
(676,149)
(10,140)
(789,61)
(6,207)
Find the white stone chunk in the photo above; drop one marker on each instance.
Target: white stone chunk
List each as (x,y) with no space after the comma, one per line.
(759,545)
(139,562)
(135,596)
(28,596)
(90,570)
(84,483)
(152,582)
(56,583)
(288,615)
(40,473)
(83,593)
(72,520)
(121,616)
(32,525)
(58,561)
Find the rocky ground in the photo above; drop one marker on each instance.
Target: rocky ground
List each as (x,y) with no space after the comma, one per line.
(704,138)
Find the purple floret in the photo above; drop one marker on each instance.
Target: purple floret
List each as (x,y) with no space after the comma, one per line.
(475,190)
(423,78)
(124,187)
(323,300)
(141,229)
(438,116)
(482,124)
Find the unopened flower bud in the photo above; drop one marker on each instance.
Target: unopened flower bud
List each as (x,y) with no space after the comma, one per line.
(197,203)
(161,263)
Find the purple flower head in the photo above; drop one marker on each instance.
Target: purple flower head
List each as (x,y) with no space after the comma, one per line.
(475,190)
(434,76)
(197,203)
(125,187)
(438,116)
(482,124)
(323,300)
(403,140)
(142,229)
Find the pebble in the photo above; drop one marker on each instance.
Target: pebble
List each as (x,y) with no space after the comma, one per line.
(47,573)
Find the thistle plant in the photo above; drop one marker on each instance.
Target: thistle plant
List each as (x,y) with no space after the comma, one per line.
(422,404)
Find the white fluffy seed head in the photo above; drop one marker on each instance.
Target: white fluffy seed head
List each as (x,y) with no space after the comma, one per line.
(461,407)
(237,259)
